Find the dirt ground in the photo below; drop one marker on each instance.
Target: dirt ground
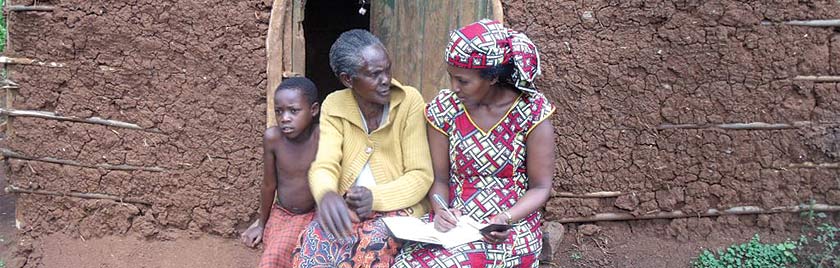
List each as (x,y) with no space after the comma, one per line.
(59,250)
(192,75)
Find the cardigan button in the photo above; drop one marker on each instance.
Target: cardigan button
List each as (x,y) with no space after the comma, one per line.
(368,150)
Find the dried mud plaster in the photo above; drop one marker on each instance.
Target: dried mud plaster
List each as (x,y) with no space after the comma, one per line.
(615,69)
(193,70)
(618,69)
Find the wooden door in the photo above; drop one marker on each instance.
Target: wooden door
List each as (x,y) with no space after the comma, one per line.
(416,32)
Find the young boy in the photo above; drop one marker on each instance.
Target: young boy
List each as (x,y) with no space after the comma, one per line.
(289,148)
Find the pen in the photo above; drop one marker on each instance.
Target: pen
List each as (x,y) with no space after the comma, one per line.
(443,205)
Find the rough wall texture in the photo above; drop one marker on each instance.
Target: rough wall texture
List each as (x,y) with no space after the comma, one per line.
(192,71)
(619,69)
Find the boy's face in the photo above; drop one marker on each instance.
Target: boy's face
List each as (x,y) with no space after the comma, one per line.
(294,113)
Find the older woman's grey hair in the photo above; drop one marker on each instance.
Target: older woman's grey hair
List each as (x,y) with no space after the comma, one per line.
(345,56)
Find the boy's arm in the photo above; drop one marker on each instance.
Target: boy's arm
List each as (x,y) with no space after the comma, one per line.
(412,186)
(269,184)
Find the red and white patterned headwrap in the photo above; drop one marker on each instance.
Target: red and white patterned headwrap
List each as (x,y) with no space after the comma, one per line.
(487,43)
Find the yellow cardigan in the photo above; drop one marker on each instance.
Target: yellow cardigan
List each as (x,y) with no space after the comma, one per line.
(398,151)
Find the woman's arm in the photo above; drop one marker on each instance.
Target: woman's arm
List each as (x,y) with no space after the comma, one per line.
(540,164)
(333,214)
(439,147)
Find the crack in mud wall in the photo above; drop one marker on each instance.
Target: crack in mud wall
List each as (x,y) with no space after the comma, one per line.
(618,69)
(195,70)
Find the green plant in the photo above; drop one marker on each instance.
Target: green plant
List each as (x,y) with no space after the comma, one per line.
(2,264)
(576,256)
(3,33)
(819,243)
(822,250)
(811,215)
(752,254)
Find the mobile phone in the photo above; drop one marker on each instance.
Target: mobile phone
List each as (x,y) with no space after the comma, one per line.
(494,228)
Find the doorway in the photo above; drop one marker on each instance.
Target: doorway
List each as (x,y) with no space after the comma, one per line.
(324,21)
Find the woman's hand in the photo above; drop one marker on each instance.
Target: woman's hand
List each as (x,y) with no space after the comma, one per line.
(334,216)
(498,237)
(253,235)
(360,200)
(444,221)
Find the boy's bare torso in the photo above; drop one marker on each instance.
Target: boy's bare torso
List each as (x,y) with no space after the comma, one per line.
(292,161)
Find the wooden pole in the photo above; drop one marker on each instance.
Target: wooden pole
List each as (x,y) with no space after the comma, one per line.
(90,120)
(274,51)
(498,11)
(16,190)
(737,126)
(815,165)
(818,78)
(809,23)
(9,87)
(588,195)
(744,210)
(27,61)
(12,154)
(22,8)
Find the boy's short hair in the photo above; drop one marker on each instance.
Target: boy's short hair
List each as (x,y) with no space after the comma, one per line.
(306,86)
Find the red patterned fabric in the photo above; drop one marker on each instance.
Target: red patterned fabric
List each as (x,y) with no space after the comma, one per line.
(488,175)
(370,246)
(487,43)
(281,236)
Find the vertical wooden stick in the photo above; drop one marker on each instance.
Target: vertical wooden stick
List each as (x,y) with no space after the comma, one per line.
(9,86)
(498,12)
(274,63)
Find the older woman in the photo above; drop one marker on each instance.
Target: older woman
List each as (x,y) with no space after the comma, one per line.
(372,161)
(492,150)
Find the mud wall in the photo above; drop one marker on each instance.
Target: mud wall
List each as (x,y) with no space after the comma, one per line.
(620,72)
(190,73)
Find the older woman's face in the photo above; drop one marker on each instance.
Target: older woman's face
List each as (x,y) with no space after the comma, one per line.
(372,82)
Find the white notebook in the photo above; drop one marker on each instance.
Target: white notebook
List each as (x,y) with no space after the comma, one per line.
(411,228)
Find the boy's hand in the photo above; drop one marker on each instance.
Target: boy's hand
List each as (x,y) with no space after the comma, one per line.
(334,216)
(253,235)
(360,200)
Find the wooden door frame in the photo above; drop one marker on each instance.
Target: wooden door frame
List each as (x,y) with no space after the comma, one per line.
(285,49)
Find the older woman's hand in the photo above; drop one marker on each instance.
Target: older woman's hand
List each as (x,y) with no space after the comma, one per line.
(360,200)
(334,216)
(497,237)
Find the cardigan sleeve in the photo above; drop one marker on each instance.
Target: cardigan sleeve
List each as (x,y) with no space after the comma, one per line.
(410,188)
(324,171)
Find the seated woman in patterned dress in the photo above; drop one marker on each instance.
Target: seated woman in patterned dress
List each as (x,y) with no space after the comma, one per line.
(492,150)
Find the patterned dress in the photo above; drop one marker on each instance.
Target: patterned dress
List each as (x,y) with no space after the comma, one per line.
(487,176)
(369,245)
